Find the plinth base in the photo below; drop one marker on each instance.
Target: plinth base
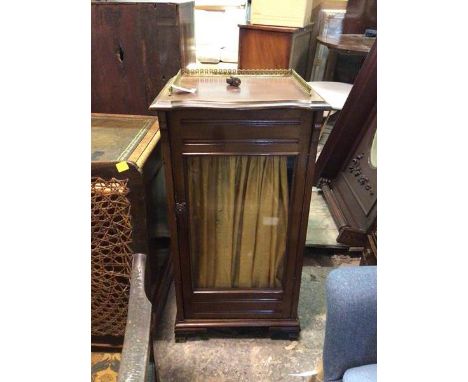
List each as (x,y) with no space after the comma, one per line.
(275,329)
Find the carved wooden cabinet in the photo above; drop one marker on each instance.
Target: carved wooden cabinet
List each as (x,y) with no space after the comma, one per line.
(352,194)
(239,169)
(347,165)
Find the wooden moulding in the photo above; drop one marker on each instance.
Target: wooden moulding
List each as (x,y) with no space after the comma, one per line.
(284,328)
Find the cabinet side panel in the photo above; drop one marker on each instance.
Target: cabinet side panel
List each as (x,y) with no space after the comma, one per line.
(315,124)
(166,152)
(260,49)
(300,51)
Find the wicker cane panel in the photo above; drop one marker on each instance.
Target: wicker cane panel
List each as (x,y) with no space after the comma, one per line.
(111,256)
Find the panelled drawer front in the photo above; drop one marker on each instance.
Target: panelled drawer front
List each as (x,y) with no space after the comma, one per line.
(241,305)
(239,130)
(240,126)
(254,309)
(233,295)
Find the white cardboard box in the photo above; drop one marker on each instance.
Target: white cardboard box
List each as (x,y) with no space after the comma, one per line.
(288,13)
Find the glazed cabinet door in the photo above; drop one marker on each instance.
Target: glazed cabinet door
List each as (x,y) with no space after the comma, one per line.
(238,187)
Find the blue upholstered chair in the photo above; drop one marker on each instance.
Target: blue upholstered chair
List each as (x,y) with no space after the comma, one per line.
(350,349)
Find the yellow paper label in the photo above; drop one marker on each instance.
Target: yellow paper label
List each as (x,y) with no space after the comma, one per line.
(122,166)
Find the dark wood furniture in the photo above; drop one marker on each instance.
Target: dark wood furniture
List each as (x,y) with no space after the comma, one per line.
(239,169)
(135,48)
(126,164)
(274,47)
(349,44)
(369,254)
(347,166)
(360,15)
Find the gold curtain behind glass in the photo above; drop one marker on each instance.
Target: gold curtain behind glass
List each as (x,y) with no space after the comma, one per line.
(238,211)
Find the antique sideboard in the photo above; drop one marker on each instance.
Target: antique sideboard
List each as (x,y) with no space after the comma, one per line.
(239,164)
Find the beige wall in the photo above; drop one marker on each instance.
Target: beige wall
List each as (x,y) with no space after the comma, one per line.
(318,4)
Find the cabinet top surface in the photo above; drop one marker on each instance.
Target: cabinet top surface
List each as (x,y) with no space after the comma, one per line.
(274,28)
(348,42)
(258,89)
(116,138)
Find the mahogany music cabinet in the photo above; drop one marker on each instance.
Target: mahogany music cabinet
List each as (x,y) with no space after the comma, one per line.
(239,164)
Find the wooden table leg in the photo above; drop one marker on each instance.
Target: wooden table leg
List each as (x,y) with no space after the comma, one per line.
(330,66)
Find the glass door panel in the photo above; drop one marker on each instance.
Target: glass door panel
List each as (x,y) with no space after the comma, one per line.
(238,220)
